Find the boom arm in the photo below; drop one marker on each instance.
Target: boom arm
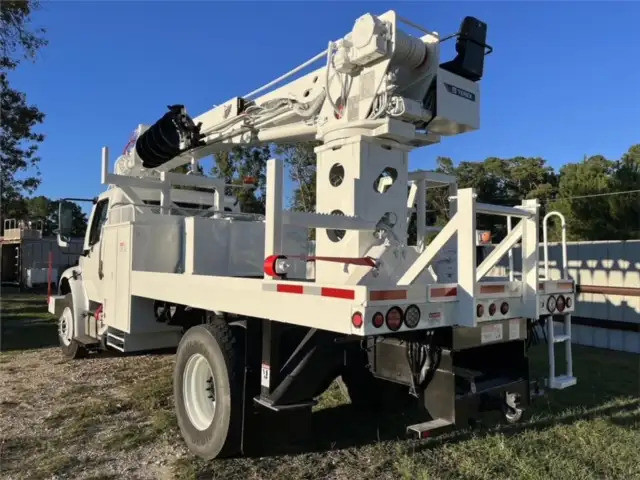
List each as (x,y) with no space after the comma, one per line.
(377,81)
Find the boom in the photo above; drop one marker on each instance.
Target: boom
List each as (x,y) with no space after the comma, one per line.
(376,81)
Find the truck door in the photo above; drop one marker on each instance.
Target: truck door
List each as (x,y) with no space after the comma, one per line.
(91,261)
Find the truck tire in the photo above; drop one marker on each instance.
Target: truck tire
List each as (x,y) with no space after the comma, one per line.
(70,347)
(207,387)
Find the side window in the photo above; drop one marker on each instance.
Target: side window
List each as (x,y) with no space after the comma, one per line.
(99,218)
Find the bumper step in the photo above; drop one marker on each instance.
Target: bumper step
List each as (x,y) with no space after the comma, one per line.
(87,341)
(562,381)
(427,429)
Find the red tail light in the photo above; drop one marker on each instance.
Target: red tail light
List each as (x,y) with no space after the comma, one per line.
(394,318)
(560,303)
(356,320)
(378,319)
(504,308)
(480,310)
(492,309)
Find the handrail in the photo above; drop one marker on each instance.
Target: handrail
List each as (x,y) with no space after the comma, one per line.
(563,224)
(205,212)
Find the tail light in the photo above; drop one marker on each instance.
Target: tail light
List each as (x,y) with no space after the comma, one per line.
(568,301)
(504,308)
(378,319)
(412,316)
(560,303)
(356,320)
(394,318)
(480,310)
(492,309)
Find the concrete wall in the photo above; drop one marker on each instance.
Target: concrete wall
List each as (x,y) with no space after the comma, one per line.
(603,264)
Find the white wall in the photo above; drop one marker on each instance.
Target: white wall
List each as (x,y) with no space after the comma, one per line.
(608,264)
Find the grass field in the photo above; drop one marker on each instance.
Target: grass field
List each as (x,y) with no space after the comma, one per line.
(112,417)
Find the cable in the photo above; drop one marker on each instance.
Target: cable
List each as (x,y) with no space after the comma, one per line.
(593,195)
(327,79)
(286,75)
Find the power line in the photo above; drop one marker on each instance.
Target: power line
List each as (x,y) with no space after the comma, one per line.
(625,192)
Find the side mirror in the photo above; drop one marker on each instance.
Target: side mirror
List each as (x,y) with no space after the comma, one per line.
(65,223)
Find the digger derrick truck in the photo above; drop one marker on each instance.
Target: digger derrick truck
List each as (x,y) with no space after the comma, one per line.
(262,320)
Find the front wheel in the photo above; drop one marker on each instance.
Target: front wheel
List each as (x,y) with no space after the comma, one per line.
(207,386)
(70,347)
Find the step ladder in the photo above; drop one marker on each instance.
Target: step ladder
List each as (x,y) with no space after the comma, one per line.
(558,382)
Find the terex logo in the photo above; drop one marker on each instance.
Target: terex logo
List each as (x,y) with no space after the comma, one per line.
(460,92)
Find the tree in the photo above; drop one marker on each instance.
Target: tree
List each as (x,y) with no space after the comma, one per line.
(625,208)
(42,208)
(18,139)
(587,216)
(301,160)
(239,164)
(497,181)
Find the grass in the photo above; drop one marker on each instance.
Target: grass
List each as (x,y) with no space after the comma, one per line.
(591,430)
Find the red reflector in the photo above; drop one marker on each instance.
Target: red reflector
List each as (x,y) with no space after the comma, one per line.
(282,288)
(356,320)
(249,181)
(444,292)
(387,295)
(338,293)
(425,434)
(491,288)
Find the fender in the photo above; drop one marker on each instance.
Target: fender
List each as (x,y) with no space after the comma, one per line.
(71,282)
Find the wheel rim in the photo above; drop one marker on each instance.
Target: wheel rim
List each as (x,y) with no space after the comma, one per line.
(65,326)
(199,391)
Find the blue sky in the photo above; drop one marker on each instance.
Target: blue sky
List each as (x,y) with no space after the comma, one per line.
(563,80)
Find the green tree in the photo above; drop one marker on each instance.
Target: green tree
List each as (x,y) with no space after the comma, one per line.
(238,165)
(625,208)
(301,160)
(588,217)
(42,208)
(498,181)
(18,138)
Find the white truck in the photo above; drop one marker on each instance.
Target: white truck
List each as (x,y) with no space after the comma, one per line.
(258,319)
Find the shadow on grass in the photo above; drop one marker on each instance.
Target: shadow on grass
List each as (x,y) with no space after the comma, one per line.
(25,322)
(27,334)
(344,427)
(599,393)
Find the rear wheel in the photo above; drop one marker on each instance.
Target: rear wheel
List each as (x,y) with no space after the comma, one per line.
(207,386)
(70,347)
